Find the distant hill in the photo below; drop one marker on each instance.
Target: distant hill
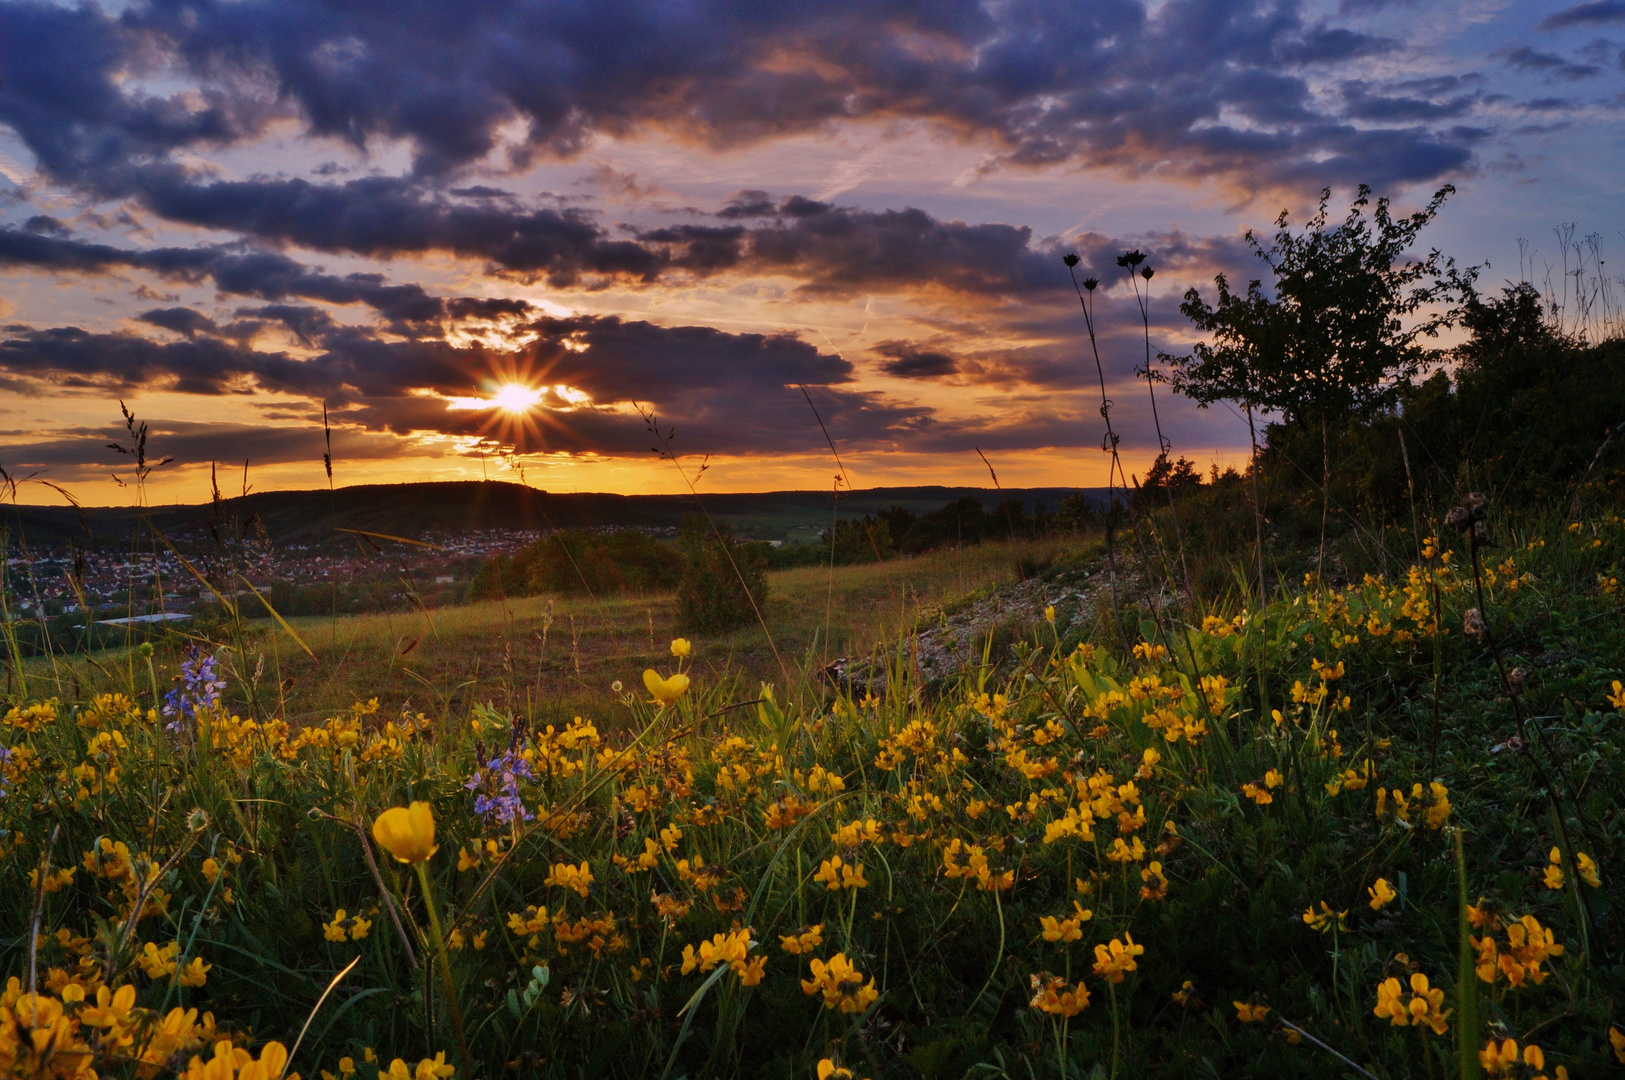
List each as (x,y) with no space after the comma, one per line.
(460,506)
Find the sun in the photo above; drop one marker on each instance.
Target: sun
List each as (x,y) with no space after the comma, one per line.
(516,398)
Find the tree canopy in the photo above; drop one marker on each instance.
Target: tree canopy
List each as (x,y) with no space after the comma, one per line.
(1344,322)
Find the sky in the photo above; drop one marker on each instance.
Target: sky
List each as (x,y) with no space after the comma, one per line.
(493,240)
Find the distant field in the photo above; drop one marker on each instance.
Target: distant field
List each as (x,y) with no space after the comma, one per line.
(552,656)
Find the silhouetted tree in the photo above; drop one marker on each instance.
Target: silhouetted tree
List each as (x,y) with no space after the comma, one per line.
(1342,328)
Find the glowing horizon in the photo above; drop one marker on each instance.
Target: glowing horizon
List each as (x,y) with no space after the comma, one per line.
(230,246)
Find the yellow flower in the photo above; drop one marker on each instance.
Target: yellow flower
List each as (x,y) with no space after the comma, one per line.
(1156,883)
(804,942)
(1322,921)
(1250,1014)
(1588,869)
(1063,928)
(828,1070)
(1424,1009)
(111,1009)
(158,962)
(1616,1039)
(1617,698)
(1049,614)
(835,874)
(1114,960)
(570,877)
(406,832)
(1146,651)
(855,833)
(1053,996)
(196,973)
(211,870)
(54,882)
(665,691)
(680,648)
(1554,871)
(841,984)
(335,930)
(1382,894)
(1503,1060)
(1124,853)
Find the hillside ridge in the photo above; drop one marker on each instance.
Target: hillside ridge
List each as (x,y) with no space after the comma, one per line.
(411,510)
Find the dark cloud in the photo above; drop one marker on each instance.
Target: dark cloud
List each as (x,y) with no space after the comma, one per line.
(387,216)
(1525,58)
(266,275)
(1107,83)
(840,251)
(907,361)
(82,454)
(747,204)
(725,393)
(183,321)
(46,225)
(69,95)
(1328,45)
(1366,103)
(827,249)
(310,325)
(1599,11)
(1370,7)
(734,393)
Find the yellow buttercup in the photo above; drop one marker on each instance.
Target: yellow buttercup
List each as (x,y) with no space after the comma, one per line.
(667,690)
(406,832)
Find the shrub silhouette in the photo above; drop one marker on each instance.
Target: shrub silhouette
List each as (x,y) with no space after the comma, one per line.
(724,582)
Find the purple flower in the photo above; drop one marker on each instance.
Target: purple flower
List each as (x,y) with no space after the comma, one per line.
(199,688)
(498,801)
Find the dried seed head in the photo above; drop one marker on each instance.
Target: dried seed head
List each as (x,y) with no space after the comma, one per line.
(1146,273)
(1472,623)
(1070,258)
(1516,678)
(1466,517)
(1091,283)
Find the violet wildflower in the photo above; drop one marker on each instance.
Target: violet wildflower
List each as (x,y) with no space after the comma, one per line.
(199,688)
(498,800)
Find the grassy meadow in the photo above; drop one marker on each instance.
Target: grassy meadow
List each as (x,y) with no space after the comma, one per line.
(1369,828)
(551,658)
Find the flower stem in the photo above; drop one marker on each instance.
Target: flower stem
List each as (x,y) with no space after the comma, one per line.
(1111,990)
(445,963)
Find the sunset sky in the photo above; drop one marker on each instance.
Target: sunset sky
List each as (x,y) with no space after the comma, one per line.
(228,214)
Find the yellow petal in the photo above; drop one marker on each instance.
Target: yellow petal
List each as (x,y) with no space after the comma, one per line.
(407,833)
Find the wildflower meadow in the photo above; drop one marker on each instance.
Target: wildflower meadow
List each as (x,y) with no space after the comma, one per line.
(1370,831)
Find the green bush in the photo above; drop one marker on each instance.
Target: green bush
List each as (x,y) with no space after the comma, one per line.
(724,582)
(577,561)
